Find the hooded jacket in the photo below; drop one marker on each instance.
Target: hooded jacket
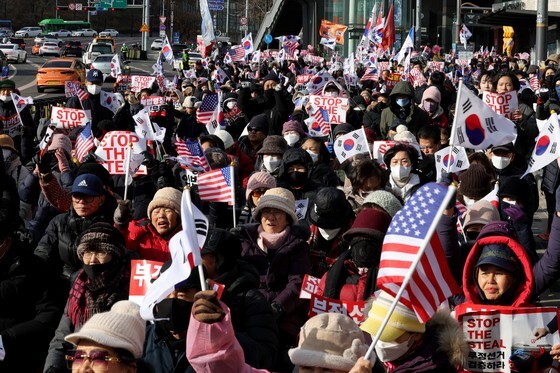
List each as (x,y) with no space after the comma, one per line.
(415,119)
(499,233)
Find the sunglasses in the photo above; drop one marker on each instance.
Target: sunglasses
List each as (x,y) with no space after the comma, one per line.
(99,359)
(258,193)
(253,129)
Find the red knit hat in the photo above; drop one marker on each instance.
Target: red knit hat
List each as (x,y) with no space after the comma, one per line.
(370,223)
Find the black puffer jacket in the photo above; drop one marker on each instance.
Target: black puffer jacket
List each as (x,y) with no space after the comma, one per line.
(58,245)
(550,178)
(275,104)
(30,310)
(251,315)
(93,103)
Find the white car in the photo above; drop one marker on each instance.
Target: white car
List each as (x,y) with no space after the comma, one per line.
(84,32)
(103,63)
(62,33)
(51,48)
(109,32)
(157,44)
(14,53)
(28,32)
(48,37)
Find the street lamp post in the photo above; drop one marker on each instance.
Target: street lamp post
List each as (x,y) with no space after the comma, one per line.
(542,26)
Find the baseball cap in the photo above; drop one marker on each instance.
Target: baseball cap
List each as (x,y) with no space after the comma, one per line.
(88,184)
(95,76)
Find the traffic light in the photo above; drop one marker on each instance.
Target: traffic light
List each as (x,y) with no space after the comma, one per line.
(61,7)
(112,9)
(86,8)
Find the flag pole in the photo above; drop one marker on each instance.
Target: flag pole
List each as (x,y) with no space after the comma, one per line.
(431,230)
(232,172)
(454,124)
(187,192)
(368,149)
(127,158)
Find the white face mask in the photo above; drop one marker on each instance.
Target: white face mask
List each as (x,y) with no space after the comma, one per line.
(509,202)
(390,351)
(331,94)
(93,89)
(500,162)
(231,104)
(292,138)
(400,172)
(271,162)
(468,201)
(314,156)
(328,234)
(6,98)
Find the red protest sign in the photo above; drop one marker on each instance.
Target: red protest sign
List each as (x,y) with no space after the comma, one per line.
(309,287)
(142,272)
(139,82)
(335,106)
(112,151)
(392,80)
(303,78)
(320,304)
(69,119)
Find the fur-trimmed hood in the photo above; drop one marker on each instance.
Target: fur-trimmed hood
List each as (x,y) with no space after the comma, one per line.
(450,337)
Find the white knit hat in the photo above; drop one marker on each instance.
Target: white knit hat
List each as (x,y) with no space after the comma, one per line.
(329,340)
(384,199)
(277,198)
(166,197)
(225,136)
(404,135)
(121,327)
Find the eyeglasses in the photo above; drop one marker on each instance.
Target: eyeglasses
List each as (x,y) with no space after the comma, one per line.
(83,197)
(253,129)
(100,255)
(257,193)
(99,359)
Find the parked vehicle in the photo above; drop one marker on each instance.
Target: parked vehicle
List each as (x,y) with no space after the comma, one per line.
(62,33)
(28,32)
(157,44)
(50,48)
(14,53)
(47,37)
(72,47)
(94,50)
(84,32)
(109,32)
(56,71)
(18,41)
(103,63)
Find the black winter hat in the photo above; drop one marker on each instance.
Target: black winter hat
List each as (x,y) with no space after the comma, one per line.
(271,76)
(294,156)
(343,129)
(101,236)
(515,188)
(225,246)
(260,122)
(475,182)
(331,209)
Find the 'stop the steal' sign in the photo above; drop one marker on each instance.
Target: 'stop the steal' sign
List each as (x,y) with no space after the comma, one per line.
(112,151)
(502,103)
(68,119)
(335,106)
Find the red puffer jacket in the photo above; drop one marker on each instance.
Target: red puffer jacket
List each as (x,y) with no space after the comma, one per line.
(143,238)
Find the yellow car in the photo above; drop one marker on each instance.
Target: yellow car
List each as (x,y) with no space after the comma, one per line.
(56,71)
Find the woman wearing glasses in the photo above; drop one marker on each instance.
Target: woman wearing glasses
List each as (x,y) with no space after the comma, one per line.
(102,281)
(258,184)
(110,342)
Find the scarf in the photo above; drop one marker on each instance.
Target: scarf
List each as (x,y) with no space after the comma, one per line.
(88,297)
(271,241)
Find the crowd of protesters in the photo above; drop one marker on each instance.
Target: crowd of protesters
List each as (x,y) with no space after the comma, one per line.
(67,236)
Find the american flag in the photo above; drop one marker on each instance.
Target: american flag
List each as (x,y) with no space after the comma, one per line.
(322,118)
(192,151)
(216,185)
(431,282)
(78,91)
(370,74)
(237,53)
(84,143)
(534,83)
(206,109)
(291,47)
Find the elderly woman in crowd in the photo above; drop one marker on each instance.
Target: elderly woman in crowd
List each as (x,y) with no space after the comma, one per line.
(102,281)
(278,249)
(109,342)
(402,161)
(258,184)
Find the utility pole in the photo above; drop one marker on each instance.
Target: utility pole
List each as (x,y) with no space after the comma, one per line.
(171,20)
(542,27)
(418,31)
(247,15)
(147,22)
(458,24)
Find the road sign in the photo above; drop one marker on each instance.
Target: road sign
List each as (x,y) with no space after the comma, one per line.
(93,13)
(162,19)
(244,27)
(72,6)
(144,28)
(162,27)
(212,6)
(79,6)
(216,1)
(117,4)
(243,21)
(268,38)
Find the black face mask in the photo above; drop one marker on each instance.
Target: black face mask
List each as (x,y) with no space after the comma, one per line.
(94,271)
(176,311)
(549,80)
(471,236)
(365,253)
(297,178)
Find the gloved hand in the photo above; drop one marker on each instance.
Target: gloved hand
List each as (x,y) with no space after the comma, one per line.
(89,158)
(44,164)
(277,309)
(63,165)
(123,213)
(446,178)
(206,307)
(515,213)
(148,158)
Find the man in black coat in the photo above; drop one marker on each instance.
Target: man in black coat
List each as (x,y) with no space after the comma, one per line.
(19,126)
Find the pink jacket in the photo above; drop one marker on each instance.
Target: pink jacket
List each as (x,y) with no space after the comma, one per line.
(213,347)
